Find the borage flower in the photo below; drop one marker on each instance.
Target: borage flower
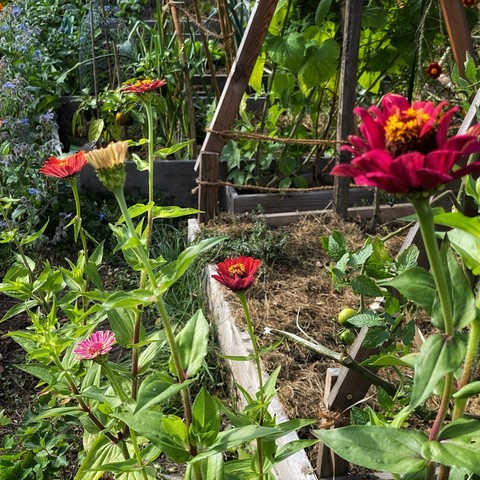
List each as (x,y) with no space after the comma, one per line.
(237,274)
(109,164)
(404,148)
(143,86)
(96,346)
(434,70)
(64,167)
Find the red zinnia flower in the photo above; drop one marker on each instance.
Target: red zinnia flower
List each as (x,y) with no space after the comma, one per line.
(64,167)
(96,345)
(237,273)
(143,86)
(434,70)
(469,3)
(404,148)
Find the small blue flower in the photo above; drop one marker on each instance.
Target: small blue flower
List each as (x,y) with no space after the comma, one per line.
(33,191)
(47,117)
(37,53)
(8,85)
(102,216)
(16,10)
(3,224)
(24,122)
(22,26)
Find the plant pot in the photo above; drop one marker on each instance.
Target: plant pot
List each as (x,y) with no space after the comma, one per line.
(174,181)
(236,202)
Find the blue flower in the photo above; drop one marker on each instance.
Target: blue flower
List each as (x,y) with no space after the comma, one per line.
(37,53)
(102,216)
(33,191)
(8,85)
(16,10)
(3,224)
(24,122)
(47,117)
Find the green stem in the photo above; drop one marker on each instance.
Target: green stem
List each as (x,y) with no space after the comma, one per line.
(256,353)
(113,379)
(138,455)
(472,349)
(78,217)
(147,103)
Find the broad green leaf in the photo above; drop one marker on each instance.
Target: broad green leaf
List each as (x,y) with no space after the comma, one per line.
(192,345)
(378,448)
(234,437)
(335,245)
(322,11)
(173,212)
(205,420)
(130,299)
(136,210)
(157,388)
(468,391)
(388,360)
(270,386)
(165,152)
(31,238)
(42,372)
(256,78)
(368,319)
(287,51)
(18,308)
(459,220)
(100,452)
(458,446)
(57,412)
(407,259)
(365,286)
(95,129)
(156,342)
(361,256)
(278,19)
(291,448)
(439,355)
(376,337)
(320,65)
(373,16)
(170,273)
(142,165)
(122,324)
(467,246)
(417,285)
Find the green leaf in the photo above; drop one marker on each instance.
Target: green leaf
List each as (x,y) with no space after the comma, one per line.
(287,51)
(373,16)
(322,11)
(142,165)
(321,65)
(58,412)
(417,285)
(384,360)
(376,337)
(131,299)
(122,322)
(31,238)
(205,420)
(291,448)
(192,345)
(256,77)
(458,446)
(467,246)
(378,448)
(95,130)
(407,259)
(468,390)
(43,372)
(459,220)
(165,152)
(361,256)
(157,388)
(368,319)
(173,212)
(439,355)
(170,273)
(335,245)
(365,286)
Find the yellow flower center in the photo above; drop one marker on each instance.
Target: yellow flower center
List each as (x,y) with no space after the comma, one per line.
(402,132)
(236,269)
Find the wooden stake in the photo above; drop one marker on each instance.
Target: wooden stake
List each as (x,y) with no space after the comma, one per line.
(208,194)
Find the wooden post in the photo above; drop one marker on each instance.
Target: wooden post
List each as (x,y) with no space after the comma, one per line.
(340,393)
(208,194)
(237,82)
(458,32)
(348,86)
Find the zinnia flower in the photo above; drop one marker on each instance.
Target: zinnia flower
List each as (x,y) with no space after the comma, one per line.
(96,345)
(469,3)
(404,148)
(434,70)
(143,86)
(64,167)
(237,274)
(109,163)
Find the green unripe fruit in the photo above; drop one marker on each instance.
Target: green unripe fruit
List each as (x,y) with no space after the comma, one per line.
(347,337)
(344,315)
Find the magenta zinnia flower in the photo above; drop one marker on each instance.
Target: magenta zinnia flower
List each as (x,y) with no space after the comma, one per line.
(96,345)
(237,274)
(404,147)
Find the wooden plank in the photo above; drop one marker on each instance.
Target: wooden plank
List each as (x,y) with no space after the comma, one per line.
(347,97)
(240,73)
(235,341)
(458,32)
(208,194)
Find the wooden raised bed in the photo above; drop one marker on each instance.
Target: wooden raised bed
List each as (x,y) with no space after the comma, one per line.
(234,202)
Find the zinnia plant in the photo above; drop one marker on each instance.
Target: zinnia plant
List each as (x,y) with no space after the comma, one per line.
(143,86)
(404,149)
(64,167)
(237,274)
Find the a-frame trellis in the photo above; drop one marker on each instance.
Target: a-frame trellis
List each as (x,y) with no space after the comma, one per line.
(237,81)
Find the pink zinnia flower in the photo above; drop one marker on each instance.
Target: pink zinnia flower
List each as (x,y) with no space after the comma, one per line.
(143,86)
(64,167)
(404,147)
(96,345)
(237,274)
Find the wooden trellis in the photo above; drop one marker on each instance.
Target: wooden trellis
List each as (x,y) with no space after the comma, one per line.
(237,81)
